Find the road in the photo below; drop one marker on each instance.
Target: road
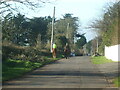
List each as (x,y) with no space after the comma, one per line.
(75,72)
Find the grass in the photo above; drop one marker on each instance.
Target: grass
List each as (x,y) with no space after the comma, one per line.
(100,60)
(13,73)
(15,68)
(117,82)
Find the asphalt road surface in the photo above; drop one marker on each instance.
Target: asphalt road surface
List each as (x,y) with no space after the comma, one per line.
(75,72)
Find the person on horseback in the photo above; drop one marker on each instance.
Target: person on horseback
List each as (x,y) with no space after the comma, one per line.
(67,50)
(54,50)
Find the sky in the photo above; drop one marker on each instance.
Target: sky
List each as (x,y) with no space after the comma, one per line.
(86,10)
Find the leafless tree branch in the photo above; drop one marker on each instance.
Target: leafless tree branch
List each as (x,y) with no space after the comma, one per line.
(6,5)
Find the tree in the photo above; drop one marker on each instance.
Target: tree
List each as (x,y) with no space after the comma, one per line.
(107,26)
(14,5)
(81,42)
(14,30)
(67,15)
(89,47)
(7,27)
(72,25)
(61,42)
(66,27)
(20,30)
(39,26)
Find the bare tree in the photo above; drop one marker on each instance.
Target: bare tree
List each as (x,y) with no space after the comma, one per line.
(16,5)
(107,26)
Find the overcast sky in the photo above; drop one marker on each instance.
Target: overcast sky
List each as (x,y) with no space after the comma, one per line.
(85,10)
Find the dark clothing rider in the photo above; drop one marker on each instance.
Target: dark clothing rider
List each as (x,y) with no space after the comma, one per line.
(67,51)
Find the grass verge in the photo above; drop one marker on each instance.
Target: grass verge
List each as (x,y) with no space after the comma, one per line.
(15,68)
(117,82)
(100,60)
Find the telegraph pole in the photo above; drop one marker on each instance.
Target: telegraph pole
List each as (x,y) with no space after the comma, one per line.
(97,44)
(52,37)
(67,30)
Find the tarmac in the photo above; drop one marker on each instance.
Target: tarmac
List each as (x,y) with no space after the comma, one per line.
(75,72)
(110,71)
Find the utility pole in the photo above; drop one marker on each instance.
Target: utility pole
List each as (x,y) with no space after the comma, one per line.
(97,44)
(67,30)
(52,37)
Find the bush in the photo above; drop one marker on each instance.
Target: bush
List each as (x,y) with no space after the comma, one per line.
(15,52)
(10,51)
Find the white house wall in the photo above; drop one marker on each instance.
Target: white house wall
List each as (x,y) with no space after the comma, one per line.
(112,52)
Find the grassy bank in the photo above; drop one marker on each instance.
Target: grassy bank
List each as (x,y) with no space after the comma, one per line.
(100,60)
(16,68)
(18,60)
(117,82)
